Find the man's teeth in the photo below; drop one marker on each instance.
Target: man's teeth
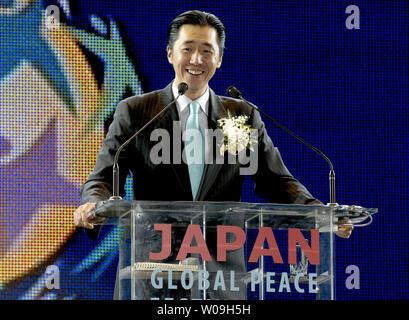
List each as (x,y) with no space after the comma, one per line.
(195,72)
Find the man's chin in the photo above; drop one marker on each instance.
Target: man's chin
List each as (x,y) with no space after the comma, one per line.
(194,93)
(195,86)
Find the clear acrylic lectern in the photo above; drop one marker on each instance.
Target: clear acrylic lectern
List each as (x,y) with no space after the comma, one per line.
(225,250)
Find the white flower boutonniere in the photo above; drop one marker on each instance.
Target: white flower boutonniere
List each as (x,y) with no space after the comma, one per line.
(237,134)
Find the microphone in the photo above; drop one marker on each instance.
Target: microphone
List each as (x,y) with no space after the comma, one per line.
(235,93)
(182,88)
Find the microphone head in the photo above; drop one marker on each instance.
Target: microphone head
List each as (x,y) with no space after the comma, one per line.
(233,92)
(182,88)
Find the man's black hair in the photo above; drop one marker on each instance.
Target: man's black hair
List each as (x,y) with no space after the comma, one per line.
(196,17)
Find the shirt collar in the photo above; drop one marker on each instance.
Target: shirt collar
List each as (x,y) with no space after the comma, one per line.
(183,101)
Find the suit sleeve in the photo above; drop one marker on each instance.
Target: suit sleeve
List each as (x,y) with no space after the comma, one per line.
(272,180)
(98,186)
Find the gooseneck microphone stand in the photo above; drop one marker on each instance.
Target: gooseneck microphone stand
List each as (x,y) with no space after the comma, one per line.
(182,88)
(235,93)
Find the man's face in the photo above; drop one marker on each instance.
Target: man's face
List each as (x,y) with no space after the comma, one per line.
(195,56)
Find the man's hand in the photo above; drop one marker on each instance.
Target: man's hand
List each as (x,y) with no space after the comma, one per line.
(345,228)
(81,216)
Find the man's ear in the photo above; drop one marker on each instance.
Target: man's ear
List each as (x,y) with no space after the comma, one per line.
(169,54)
(219,63)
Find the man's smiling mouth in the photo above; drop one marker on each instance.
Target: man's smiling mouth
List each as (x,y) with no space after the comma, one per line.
(195,72)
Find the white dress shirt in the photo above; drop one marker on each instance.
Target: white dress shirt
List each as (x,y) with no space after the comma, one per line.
(182,105)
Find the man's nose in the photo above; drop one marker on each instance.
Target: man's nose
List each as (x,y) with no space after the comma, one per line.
(196,58)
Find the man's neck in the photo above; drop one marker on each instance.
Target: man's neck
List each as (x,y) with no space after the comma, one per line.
(194,96)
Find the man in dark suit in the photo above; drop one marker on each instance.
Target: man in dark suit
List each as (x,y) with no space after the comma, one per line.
(195,49)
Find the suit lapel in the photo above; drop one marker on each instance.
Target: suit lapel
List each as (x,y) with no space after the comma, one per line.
(216,111)
(167,122)
(211,171)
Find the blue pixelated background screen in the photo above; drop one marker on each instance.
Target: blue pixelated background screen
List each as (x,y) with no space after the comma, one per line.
(343,89)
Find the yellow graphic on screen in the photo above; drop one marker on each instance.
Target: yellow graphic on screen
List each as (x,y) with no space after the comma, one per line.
(51,120)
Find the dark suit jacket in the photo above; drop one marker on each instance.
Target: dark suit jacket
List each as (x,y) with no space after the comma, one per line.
(220,182)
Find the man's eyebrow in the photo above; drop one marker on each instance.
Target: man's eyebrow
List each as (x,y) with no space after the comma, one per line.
(207,44)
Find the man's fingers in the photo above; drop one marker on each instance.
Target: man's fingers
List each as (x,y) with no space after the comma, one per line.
(88,207)
(94,219)
(344,230)
(343,234)
(81,216)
